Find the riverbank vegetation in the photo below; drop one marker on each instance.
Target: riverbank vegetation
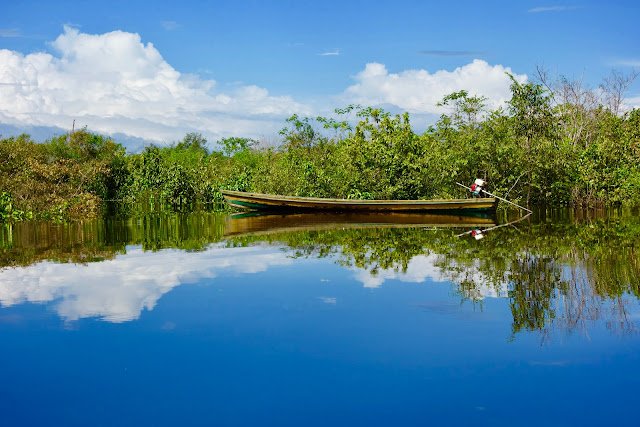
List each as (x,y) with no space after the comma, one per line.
(554,144)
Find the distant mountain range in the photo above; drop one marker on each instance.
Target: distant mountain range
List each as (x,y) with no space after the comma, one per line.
(42,133)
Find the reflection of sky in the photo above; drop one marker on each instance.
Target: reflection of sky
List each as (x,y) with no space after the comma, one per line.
(300,342)
(120,289)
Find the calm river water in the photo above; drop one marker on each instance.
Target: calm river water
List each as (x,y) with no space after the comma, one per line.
(305,320)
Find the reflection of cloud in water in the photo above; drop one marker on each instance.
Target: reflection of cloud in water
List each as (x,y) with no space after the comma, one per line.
(118,290)
(423,267)
(328,300)
(556,363)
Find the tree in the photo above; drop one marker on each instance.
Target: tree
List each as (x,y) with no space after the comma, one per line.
(577,104)
(193,141)
(466,109)
(530,106)
(615,86)
(234,144)
(301,134)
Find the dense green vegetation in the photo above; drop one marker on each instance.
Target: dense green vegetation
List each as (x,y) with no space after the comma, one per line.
(546,147)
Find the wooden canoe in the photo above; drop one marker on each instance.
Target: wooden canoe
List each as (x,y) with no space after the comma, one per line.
(269,202)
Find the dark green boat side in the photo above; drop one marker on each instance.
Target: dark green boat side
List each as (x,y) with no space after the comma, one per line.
(269,202)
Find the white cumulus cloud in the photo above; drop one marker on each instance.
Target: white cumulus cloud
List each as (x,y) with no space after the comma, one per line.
(630,103)
(419,91)
(115,83)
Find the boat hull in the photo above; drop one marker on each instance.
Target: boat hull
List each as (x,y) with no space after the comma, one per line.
(268,202)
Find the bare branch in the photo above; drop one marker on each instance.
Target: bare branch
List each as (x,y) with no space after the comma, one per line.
(614,86)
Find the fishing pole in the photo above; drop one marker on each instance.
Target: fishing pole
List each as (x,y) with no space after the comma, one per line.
(497,197)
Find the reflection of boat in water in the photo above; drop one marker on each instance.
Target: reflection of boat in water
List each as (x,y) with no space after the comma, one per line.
(479,233)
(268,202)
(255,223)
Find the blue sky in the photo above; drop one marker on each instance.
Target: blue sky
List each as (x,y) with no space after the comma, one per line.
(304,55)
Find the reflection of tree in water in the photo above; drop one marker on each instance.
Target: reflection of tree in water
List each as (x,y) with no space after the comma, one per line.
(600,285)
(25,243)
(535,282)
(557,274)
(566,275)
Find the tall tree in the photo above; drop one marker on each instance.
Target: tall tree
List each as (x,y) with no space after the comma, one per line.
(530,106)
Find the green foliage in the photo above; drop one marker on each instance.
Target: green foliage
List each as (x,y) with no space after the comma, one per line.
(235,145)
(466,109)
(66,177)
(8,213)
(195,142)
(301,133)
(530,106)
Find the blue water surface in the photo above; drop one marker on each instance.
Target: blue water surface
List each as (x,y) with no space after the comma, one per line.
(254,336)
